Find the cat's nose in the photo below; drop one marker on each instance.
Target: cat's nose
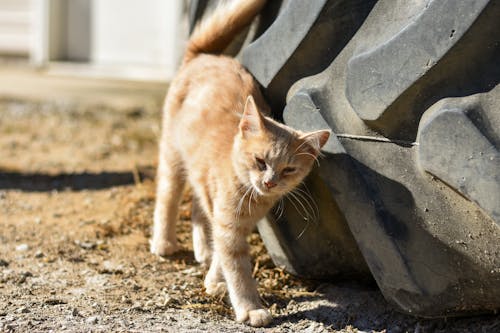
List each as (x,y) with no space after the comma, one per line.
(270,184)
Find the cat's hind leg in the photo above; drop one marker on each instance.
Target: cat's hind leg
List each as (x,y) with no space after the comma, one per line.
(201,234)
(170,185)
(214,281)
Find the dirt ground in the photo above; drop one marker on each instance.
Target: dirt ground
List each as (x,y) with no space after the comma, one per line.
(76,201)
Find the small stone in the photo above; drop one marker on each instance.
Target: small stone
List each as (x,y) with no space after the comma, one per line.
(192,272)
(126,300)
(189,271)
(92,320)
(87,222)
(4,263)
(273,308)
(23,276)
(86,245)
(167,300)
(312,328)
(137,307)
(75,312)
(23,309)
(110,267)
(54,301)
(10,327)
(22,247)
(39,254)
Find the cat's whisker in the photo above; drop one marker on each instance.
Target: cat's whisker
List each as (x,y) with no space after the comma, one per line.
(250,201)
(279,209)
(309,199)
(282,205)
(303,230)
(240,203)
(276,208)
(309,209)
(238,207)
(307,215)
(315,158)
(300,146)
(305,198)
(307,220)
(295,206)
(309,205)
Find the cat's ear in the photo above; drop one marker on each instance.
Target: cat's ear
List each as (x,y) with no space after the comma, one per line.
(315,141)
(252,122)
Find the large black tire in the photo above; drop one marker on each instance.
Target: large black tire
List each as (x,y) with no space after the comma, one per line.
(409,186)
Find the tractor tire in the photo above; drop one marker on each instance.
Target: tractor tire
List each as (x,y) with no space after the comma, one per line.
(408,189)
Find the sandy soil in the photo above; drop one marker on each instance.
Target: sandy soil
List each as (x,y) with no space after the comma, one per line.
(76,199)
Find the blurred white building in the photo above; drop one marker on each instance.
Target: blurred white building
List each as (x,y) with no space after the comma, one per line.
(128,39)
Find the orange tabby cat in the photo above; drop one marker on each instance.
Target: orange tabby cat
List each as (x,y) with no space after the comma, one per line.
(238,161)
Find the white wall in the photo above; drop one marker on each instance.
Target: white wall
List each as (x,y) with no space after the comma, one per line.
(135,32)
(15,26)
(129,38)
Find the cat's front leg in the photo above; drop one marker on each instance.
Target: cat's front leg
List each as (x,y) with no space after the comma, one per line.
(231,248)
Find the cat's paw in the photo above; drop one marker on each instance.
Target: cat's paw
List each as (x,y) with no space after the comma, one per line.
(163,248)
(255,318)
(215,288)
(202,255)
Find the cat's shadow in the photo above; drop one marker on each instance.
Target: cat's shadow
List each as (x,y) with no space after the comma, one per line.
(186,256)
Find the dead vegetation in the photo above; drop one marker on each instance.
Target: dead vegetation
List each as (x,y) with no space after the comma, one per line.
(76,203)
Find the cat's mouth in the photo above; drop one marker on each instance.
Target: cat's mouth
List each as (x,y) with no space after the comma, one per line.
(262,191)
(258,189)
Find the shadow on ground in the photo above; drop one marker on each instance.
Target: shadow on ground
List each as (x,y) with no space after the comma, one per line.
(41,182)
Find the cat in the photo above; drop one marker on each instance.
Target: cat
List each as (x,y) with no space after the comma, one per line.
(216,135)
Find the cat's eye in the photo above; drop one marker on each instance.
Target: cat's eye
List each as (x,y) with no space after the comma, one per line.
(288,170)
(261,164)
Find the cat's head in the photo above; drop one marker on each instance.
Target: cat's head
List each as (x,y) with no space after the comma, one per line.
(273,157)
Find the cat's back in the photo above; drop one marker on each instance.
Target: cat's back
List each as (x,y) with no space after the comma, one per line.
(218,63)
(210,92)
(220,79)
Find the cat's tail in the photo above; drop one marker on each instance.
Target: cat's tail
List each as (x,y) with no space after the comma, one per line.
(215,33)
